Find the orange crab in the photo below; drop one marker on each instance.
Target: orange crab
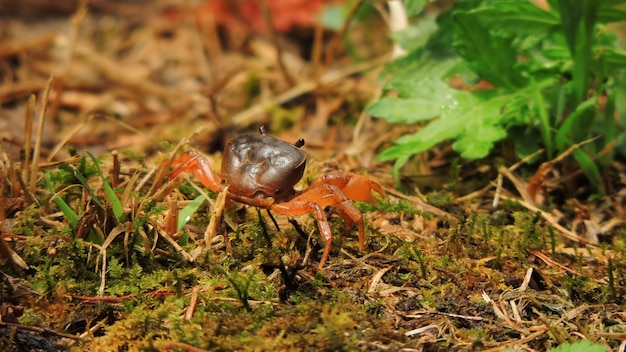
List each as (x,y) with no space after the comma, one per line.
(261,171)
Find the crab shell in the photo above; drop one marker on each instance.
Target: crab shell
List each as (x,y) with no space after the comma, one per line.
(262,166)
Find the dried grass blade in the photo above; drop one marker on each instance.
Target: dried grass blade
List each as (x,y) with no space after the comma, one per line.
(37,152)
(28,133)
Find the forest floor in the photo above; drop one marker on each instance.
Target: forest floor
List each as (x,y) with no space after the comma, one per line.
(96,102)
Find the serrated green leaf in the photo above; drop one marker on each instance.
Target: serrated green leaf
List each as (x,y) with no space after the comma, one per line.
(421,93)
(409,71)
(411,147)
(615,58)
(425,101)
(609,11)
(399,110)
(518,18)
(424,83)
(492,58)
(556,53)
(474,120)
(612,3)
(416,35)
(611,15)
(511,43)
(478,140)
(465,111)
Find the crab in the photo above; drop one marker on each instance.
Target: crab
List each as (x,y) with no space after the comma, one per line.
(261,171)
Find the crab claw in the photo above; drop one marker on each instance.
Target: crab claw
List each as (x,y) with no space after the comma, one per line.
(355,187)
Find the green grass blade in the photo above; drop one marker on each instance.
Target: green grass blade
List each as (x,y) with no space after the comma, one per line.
(583,54)
(544,119)
(590,169)
(186,213)
(67,211)
(83,181)
(571,15)
(565,134)
(116,204)
(610,127)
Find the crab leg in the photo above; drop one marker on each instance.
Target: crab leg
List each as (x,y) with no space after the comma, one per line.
(355,187)
(199,167)
(301,207)
(328,194)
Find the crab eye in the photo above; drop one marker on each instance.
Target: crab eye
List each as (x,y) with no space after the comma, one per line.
(299,143)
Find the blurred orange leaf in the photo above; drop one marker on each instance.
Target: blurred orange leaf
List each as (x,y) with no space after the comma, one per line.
(286,14)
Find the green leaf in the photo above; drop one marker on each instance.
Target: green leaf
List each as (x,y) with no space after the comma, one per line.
(518,18)
(116,204)
(556,53)
(478,140)
(610,128)
(404,110)
(412,70)
(580,346)
(612,3)
(416,35)
(186,213)
(465,113)
(619,91)
(590,168)
(544,121)
(562,52)
(414,7)
(571,12)
(610,15)
(426,99)
(492,58)
(85,184)
(584,54)
(67,211)
(421,91)
(475,120)
(527,141)
(608,12)
(563,137)
(614,57)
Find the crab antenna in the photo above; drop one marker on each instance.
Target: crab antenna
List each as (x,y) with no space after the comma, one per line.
(299,143)
(262,130)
